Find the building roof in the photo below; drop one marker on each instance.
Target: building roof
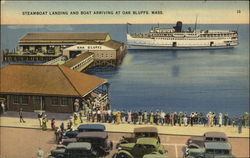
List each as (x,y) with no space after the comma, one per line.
(215,134)
(46,80)
(91,127)
(64,36)
(112,44)
(76,60)
(217,145)
(152,141)
(100,135)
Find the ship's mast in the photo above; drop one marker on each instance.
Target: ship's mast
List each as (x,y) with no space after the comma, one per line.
(195,23)
(127,26)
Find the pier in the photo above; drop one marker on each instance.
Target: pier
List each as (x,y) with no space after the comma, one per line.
(81,62)
(68,49)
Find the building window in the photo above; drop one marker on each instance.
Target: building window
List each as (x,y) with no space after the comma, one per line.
(54,100)
(16,99)
(25,100)
(65,101)
(36,100)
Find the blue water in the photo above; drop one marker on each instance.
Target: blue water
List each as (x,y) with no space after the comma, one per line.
(182,80)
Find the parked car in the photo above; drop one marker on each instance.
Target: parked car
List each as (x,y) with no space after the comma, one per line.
(99,141)
(82,128)
(142,147)
(196,142)
(210,150)
(211,144)
(74,150)
(139,133)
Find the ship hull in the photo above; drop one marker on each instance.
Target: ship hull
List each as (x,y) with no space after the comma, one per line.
(131,46)
(175,44)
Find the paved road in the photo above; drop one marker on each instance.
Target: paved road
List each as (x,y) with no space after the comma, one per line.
(20,143)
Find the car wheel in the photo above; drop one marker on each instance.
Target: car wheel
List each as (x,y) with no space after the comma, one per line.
(123,155)
(59,156)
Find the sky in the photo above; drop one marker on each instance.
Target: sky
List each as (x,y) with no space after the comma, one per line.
(208,12)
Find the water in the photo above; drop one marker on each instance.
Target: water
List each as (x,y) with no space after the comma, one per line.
(180,80)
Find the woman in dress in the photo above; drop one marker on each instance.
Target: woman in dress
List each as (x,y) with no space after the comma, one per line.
(185,119)
(53,122)
(129,117)
(151,118)
(220,119)
(118,118)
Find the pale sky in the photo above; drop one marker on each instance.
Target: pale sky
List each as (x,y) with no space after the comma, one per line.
(208,12)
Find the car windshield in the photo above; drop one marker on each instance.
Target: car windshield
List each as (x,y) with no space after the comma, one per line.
(209,151)
(209,139)
(77,153)
(92,141)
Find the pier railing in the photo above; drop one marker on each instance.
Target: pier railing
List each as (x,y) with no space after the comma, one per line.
(56,61)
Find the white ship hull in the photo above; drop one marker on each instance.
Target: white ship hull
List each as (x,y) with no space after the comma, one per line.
(178,43)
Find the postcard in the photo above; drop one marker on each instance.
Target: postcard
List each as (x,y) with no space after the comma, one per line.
(124,79)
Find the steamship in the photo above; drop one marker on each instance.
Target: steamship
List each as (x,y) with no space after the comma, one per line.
(176,38)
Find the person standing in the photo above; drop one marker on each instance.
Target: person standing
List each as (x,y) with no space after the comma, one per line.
(62,127)
(21,115)
(81,113)
(98,115)
(109,118)
(40,118)
(157,117)
(129,117)
(240,122)
(39,153)
(162,118)
(180,118)
(145,117)
(233,121)
(93,115)
(226,119)
(185,119)
(76,122)
(212,120)
(246,121)
(171,119)
(167,119)
(44,123)
(53,122)
(118,118)
(175,118)
(192,119)
(3,107)
(134,117)
(200,118)
(151,117)
(220,119)
(123,118)
(140,117)
(215,119)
